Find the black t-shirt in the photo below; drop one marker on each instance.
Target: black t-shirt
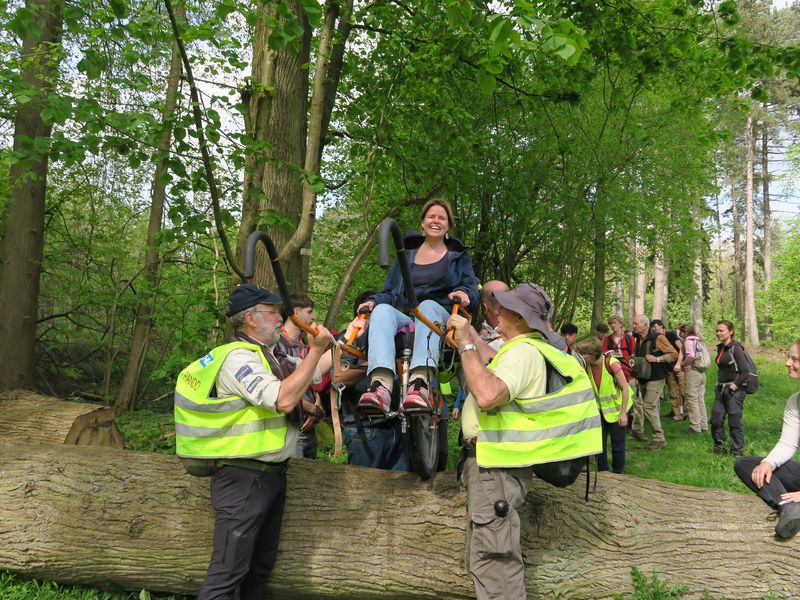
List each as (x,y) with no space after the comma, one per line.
(425,275)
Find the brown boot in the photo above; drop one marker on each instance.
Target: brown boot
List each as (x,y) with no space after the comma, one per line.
(656,445)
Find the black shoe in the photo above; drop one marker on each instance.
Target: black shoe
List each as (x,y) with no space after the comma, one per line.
(737,453)
(788,520)
(719,450)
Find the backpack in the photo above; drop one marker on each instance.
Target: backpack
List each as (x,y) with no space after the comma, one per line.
(751,383)
(625,342)
(561,473)
(640,368)
(702,359)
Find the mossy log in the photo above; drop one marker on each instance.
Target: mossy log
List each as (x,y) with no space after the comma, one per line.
(45,419)
(134,520)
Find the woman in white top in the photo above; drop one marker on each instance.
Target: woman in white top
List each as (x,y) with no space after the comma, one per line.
(776,478)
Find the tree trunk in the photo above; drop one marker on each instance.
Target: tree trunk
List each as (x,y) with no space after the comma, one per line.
(135,520)
(599,284)
(751,321)
(767,225)
(632,280)
(660,288)
(720,279)
(738,270)
(619,298)
(42,419)
(696,307)
(126,396)
(275,192)
(22,240)
(283,194)
(317,122)
(641,282)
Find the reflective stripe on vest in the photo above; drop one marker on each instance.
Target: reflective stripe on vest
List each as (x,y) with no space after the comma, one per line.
(561,425)
(231,427)
(609,396)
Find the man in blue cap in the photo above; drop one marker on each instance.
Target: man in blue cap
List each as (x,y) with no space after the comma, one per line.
(234,405)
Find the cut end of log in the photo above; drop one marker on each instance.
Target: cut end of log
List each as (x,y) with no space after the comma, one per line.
(96,428)
(38,418)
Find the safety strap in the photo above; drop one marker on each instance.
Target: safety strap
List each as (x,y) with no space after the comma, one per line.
(336,387)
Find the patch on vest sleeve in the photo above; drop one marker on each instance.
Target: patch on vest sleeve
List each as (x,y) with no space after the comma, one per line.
(254,383)
(206,359)
(243,372)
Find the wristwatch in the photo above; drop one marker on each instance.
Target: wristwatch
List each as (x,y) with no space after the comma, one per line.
(466,348)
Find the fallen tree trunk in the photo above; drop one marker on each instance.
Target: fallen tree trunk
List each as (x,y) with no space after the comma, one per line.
(45,419)
(135,520)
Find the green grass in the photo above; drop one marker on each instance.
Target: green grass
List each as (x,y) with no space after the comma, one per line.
(689,459)
(15,587)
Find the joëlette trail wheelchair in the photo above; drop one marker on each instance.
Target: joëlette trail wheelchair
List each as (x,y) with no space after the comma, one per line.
(424,432)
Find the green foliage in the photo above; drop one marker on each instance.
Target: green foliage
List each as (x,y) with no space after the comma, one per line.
(689,459)
(783,294)
(15,587)
(651,589)
(655,589)
(147,430)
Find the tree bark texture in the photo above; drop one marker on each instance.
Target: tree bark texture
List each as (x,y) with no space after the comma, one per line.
(43,419)
(751,321)
(661,281)
(738,268)
(767,225)
(127,394)
(599,279)
(641,281)
(136,520)
(282,182)
(22,239)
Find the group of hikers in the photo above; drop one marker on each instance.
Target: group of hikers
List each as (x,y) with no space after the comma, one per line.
(535,402)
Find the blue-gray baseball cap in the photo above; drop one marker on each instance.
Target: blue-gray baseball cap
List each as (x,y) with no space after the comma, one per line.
(247,295)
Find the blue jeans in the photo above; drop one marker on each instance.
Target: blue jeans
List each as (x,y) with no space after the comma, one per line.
(383,326)
(382,447)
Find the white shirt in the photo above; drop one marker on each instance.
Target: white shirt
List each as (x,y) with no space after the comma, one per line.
(786,447)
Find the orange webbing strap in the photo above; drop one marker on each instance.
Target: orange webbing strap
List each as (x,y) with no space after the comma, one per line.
(336,386)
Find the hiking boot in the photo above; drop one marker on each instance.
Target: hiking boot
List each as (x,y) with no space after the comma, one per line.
(416,399)
(656,445)
(638,436)
(376,400)
(788,520)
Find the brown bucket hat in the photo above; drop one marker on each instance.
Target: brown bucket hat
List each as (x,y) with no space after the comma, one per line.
(530,302)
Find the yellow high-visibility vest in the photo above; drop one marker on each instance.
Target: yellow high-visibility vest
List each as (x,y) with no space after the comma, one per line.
(609,396)
(232,427)
(561,425)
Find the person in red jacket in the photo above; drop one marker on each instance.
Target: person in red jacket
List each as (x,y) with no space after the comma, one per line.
(621,344)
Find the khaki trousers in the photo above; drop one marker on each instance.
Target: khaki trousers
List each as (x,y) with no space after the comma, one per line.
(647,406)
(695,399)
(493,554)
(676,384)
